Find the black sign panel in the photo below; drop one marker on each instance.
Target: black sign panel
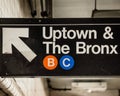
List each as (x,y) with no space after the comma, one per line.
(60,47)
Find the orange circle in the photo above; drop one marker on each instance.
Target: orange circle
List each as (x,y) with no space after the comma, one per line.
(50,62)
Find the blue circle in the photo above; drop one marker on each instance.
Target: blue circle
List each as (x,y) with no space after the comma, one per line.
(67,62)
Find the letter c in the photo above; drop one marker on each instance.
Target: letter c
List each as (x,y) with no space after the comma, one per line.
(64,62)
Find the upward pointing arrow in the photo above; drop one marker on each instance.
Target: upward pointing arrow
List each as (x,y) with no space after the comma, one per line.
(11,37)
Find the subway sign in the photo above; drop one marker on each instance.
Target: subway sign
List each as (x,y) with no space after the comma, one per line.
(60,47)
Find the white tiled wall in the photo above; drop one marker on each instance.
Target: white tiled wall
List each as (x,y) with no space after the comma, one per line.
(72,8)
(17,9)
(14,9)
(108,4)
(81,8)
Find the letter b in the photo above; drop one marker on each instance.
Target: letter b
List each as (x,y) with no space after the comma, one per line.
(50,62)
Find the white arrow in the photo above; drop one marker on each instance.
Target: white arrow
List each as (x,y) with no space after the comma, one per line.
(11,37)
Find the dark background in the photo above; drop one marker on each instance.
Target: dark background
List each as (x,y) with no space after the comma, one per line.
(85,65)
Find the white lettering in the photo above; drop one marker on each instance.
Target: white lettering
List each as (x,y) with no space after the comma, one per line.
(51,62)
(66,65)
(82,48)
